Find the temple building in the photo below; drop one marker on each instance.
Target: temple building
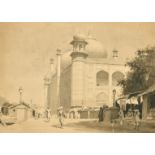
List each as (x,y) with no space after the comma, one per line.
(86,76)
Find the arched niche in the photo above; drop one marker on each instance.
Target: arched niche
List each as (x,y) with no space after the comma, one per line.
(102,78)
(116,77)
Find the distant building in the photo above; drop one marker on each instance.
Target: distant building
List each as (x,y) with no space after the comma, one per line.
(86,76)
(21,112)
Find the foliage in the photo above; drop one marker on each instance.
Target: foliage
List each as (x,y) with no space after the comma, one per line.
(138,78)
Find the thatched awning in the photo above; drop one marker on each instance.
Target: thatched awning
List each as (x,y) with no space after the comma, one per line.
(128,96)
(150,90)
(24,104)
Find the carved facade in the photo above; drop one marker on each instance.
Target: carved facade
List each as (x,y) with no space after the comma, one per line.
(88,76)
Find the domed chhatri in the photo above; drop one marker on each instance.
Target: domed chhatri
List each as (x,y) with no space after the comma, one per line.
(94,48)
(79,37)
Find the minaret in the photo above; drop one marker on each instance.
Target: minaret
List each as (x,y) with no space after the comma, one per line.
(47,82)
(46,88)
(52,66)
(58,76)
(78,69)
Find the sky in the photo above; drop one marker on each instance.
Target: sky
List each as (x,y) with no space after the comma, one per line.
(25,50)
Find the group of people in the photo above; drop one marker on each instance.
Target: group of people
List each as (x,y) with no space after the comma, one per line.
(133,111)
(129,108)
(136,118)
(60,114)
(121,116)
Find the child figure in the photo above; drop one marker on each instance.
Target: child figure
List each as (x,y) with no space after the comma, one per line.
(137,119)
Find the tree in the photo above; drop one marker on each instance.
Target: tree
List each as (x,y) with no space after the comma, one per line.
(141,71)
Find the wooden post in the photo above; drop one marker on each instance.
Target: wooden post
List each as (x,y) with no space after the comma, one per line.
(145,106)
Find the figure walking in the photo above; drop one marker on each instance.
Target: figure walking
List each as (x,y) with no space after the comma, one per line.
(61,116)
(48,113)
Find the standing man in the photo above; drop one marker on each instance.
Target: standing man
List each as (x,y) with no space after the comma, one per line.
(61,116)
(100,115)
(48,113)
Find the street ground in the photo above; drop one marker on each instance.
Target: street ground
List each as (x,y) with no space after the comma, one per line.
(76,126)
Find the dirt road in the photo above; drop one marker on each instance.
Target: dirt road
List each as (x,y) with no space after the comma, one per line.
(74,126)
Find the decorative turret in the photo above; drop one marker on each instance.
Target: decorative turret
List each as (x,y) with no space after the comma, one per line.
(47,81)
(52,66)
(115,54)
(79,45)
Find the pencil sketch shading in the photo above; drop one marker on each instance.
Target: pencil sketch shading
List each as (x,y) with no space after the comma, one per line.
(77,77)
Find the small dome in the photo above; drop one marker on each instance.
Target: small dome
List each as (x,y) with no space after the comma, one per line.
(79,37)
